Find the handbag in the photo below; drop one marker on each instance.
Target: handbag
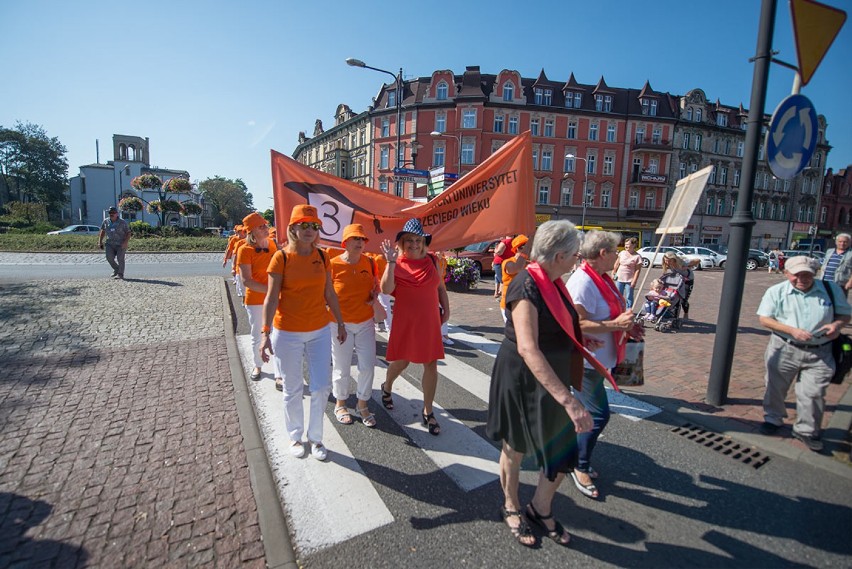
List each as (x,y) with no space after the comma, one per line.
(630,371)
(841,348)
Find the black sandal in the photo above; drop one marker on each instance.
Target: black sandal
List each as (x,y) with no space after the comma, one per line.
(523,529)
(434,427)
(387,398)
(557,534)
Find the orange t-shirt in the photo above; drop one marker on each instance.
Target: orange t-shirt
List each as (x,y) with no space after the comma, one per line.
(354,285)
(507,277)
(259,261)
(232,243)
(301,302)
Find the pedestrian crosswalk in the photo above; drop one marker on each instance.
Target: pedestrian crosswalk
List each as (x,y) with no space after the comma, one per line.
(312,492)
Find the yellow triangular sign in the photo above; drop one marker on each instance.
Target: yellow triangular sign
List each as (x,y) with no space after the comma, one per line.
(815,26)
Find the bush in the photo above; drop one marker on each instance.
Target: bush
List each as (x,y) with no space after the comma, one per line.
(40,228)
(89,243)
(141,228)
(460,270)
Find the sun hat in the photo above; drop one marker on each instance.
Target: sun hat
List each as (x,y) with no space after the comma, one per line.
(253,221)
(353,230)
(304,213)
(800,264)
(414,227)
(519,241)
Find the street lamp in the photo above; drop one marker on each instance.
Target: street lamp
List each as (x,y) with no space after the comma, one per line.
(351,61)
(585,175)
(436,134)
(124,170)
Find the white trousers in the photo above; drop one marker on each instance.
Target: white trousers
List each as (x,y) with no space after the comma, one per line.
(361,339)
(255,318)
(292,348)
(238,281)
(385,301)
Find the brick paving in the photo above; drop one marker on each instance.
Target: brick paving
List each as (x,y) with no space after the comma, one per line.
(121,442)
(677,365)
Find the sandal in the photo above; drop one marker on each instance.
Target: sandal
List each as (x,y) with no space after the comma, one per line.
(431,423)
(589,490)
(279,383)
(387,398)
(522,531)
(342,415)
(369,419)
(557,534)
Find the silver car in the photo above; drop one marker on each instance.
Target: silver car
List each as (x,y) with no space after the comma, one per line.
(77,230)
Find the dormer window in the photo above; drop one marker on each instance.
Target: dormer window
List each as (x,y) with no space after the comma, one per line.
(508,91)
(543,96)
(697,115)
(441,92)
(722,119)
(649,107)
(573,99)
(689,114)
(391,99)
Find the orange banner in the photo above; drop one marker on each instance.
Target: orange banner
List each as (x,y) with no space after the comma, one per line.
(494,199)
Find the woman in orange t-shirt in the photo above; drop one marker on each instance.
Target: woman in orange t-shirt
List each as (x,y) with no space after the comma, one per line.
(421,306)
(234,243)
(512,266)
(354,279)
(299,297)
(252,259)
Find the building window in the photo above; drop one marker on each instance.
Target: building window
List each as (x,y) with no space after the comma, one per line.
(650,198)
(715,146)
(593,131)
(640,134)
(442,91)
(606,194)
(722,119)
(469,118)
(712,179)
(534,127)
(508,91)
(543,194)
(548,127)
(572,130)
(383,184)
(548,97)
(391,99)
(653,112)
(736,178)
(610,133)
(823,214)
(646,105)
(599,103)
(689,114)
(607,103)
(384,157)
(547,160)
(657,136)
(498,123)
(608,165)
(570,163)
(782,210)
(539,96)
(698,142)
(535,158)
(773,211)
(467,153)
(590,195)
(438,156)
(566,195)
(399,189)
(543,96)
(513,125)
(590,161)
(441,121)
(653,165)
(740,148)
(761,210)
(697,115)
(723,176)
(686,141)
(727,147)
(385,127)
(633,199)
(681,172)
(573,99)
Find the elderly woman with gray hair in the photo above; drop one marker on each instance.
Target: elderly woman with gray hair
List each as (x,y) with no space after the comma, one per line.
(604,317)
(837,265)
(531,408)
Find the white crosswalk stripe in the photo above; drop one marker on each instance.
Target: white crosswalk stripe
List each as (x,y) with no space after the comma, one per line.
(313,492)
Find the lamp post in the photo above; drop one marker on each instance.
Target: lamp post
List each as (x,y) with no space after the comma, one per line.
(125,169)
(585,175)
(351,61)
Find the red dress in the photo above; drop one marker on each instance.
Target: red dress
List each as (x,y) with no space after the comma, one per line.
(416,332)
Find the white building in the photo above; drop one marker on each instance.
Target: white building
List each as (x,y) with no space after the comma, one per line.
(99,186)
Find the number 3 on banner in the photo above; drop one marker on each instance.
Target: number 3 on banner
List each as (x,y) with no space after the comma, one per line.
(334,215)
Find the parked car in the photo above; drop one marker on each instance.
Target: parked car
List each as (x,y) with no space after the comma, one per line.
(77,230)
(706,255)
(648,257)
(482,255)
(756,257)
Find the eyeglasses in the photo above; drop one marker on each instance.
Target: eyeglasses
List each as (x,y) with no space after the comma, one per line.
(308,225)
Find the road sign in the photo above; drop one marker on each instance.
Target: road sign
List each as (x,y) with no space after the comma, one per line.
(792,136)
(411,172)
(416,179)
(815,26)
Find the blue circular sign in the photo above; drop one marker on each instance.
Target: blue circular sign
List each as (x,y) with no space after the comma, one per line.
(792,136)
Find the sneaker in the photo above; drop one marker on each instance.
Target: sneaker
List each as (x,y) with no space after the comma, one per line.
(318,451)
(811,441)
(447,341)
(297,449)
(769,429)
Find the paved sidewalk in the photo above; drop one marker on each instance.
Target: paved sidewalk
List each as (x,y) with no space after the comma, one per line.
(677,367)
(121,440)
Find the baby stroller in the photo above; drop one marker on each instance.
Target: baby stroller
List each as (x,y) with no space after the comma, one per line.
(670,305)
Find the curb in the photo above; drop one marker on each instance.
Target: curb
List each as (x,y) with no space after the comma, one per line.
(273,524)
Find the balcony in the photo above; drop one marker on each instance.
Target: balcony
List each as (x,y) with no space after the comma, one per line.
(651,146)
(648,179)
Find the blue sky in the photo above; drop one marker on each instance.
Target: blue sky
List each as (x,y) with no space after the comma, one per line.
(215,85)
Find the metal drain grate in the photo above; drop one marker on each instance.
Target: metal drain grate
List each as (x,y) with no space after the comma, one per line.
(723,445)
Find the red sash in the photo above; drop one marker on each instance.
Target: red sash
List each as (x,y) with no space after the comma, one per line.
(614,300)
(550,291)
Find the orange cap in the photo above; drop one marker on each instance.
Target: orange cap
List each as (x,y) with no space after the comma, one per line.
(252,221)
(304,212)
(353,230)
(519,241)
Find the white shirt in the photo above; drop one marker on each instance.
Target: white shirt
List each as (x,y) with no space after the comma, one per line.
(584,293)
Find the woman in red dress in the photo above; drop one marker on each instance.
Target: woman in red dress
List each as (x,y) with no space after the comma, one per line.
(412,277)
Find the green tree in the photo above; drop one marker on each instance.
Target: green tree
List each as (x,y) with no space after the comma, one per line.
(33,166)
(230,198)
(269,216)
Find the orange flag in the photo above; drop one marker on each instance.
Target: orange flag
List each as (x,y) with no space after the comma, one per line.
(494,199)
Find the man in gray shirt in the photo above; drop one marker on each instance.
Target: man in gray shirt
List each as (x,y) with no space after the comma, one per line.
(117,234)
